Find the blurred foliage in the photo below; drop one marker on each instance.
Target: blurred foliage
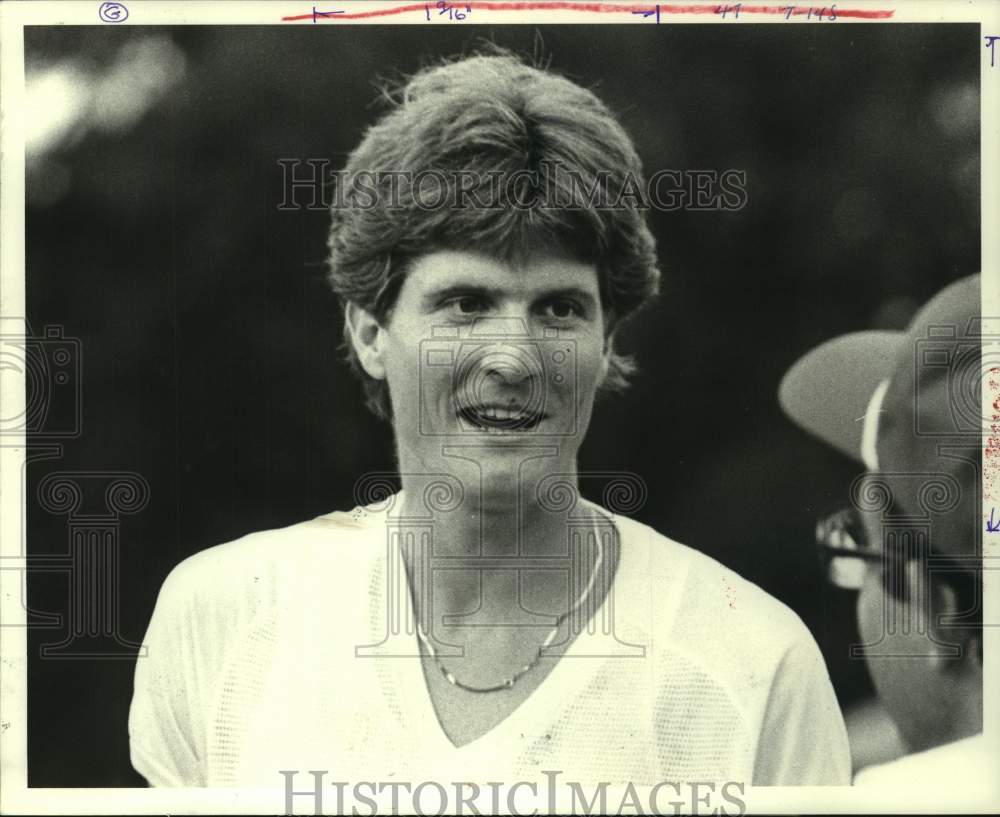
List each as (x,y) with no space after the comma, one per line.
(210,359)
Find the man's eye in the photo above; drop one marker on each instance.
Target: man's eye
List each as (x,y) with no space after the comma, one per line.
(562,309)
(465,305)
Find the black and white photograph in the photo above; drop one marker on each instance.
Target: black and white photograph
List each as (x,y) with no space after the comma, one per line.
(499,408)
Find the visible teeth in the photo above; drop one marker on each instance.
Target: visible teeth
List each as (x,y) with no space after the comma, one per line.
(484,417)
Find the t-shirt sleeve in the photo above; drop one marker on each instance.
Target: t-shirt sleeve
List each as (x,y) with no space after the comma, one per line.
(163,721)
(803,739)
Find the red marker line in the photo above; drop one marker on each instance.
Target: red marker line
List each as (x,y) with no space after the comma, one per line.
(598,8)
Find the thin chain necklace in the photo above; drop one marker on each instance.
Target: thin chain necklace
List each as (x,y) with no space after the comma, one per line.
(509,682)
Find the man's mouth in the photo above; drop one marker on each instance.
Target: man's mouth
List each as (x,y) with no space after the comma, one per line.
(497,419)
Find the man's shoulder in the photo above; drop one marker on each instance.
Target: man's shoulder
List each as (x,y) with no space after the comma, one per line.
(255,567)
(701,598)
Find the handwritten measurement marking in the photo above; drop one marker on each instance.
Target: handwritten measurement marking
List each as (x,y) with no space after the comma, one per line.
(323,14)
(449,9)
(603,8)
(650,12)
(809,11)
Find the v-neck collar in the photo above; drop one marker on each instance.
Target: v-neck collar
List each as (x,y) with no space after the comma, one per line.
(563,682)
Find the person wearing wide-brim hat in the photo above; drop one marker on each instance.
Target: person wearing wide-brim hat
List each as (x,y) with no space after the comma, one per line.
(907,406)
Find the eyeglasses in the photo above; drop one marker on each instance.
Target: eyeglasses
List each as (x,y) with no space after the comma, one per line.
(843,549)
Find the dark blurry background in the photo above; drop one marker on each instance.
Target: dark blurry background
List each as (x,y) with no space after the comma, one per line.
(209,362)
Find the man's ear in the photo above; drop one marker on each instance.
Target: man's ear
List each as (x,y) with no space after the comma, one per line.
(605,365)
(602,372)
(367,338)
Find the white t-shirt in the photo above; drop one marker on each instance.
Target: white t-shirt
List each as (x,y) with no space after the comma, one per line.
(689,673)
(967,765)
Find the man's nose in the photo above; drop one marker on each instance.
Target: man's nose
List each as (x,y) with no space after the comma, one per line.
(509,357)
(506,370)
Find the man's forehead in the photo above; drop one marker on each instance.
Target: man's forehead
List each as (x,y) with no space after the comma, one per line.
(538,272)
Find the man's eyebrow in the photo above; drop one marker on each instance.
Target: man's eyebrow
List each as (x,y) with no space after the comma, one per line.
(435,296)
(583,295)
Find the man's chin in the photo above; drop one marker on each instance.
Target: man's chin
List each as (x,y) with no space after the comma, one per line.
(517,472)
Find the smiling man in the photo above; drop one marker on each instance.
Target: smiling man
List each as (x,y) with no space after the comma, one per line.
(486,623)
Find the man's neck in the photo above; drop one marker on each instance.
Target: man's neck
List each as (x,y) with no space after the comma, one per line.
(483,533)
(491,525)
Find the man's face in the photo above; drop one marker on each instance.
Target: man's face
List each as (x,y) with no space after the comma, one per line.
(500,360)
(898,666)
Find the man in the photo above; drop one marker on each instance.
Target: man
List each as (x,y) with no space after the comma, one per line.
(485,253)
(907,406)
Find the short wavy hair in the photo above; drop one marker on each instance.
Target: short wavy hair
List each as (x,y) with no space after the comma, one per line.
(491,115)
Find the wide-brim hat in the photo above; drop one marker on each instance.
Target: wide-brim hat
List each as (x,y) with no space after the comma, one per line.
(907,404)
